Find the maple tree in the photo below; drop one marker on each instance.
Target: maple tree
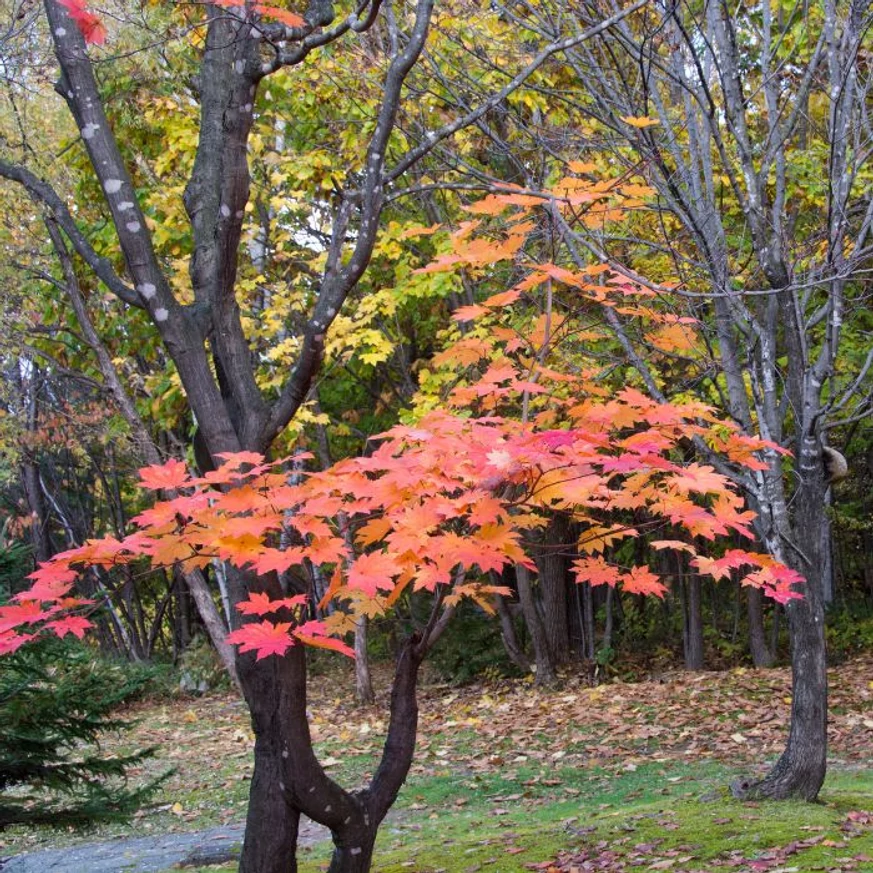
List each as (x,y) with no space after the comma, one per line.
(436,507)
(447,491)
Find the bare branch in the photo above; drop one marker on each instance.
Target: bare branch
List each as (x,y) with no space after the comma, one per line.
(43,193)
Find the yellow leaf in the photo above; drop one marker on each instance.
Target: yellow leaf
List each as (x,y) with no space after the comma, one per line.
(639,121)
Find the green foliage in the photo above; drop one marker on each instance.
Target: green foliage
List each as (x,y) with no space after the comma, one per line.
(55,700)
(471,648)
(849,632)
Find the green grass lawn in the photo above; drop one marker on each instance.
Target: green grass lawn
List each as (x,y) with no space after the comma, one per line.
(649,818)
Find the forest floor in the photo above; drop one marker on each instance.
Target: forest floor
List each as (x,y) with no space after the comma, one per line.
(510,778)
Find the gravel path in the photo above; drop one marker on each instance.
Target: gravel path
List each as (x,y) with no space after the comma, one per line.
(147,854)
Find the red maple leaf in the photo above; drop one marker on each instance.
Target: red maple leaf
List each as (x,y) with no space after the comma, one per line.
(554,439)
(90,26)
(265,638)
(15,615)
(71,624)
(52,582)
(274,560)
(10,641)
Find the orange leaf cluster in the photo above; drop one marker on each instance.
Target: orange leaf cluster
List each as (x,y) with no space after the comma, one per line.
(441,503)
(289,19)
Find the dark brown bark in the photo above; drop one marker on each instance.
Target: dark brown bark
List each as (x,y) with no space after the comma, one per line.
(693,620)
(609,624)
(30,478)
(587,593)
(551,561)
(289,780)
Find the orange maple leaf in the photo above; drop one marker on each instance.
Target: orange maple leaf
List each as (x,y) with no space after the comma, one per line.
(641,580)
(290,19)
(639,121)
(167,476)
(371,572)
(596,571)
(314,633)
(260,603)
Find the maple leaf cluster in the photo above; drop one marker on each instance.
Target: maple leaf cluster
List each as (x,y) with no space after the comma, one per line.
(443,502)
(47,606)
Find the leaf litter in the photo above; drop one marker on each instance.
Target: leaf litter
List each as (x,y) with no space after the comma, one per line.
(511,740)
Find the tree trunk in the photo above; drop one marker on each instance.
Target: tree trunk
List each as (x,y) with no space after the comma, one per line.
(542,656)
(761,654)
(609,625)
(800,771)
(363,681)
(693,616)
(288,780)
(513,648)
(39,529)
(588,613)
(552,567)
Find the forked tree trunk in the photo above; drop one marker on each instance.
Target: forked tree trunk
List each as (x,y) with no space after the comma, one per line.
(288,780)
